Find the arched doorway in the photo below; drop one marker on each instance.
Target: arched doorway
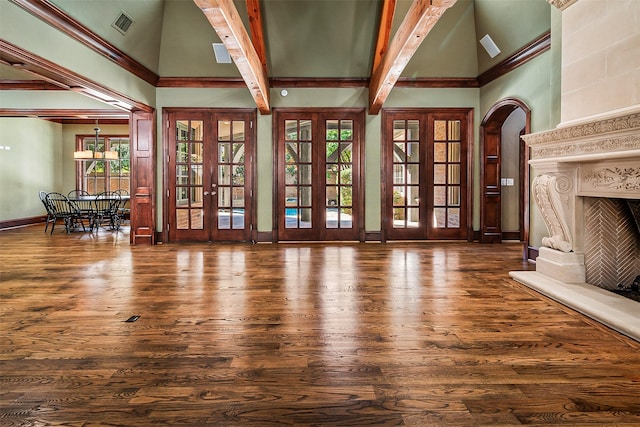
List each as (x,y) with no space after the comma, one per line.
(500,132)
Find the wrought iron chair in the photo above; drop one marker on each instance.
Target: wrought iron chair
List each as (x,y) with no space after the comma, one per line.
(51,216)
(78,194)
(84,202)
(65,210)
(106,210)
(123,210)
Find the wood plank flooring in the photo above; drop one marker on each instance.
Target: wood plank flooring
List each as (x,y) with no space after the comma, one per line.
(415,334)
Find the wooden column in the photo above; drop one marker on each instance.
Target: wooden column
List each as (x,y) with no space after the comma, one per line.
(142,132)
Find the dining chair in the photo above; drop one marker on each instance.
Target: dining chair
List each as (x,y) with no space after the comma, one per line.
(84,202)
(106,210)
(77,194)
(51,217)
(124,212)
(65,210)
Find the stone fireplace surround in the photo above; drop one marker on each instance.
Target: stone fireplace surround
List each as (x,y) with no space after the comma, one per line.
(596,157)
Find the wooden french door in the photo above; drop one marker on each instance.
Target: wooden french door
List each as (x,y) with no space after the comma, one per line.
(210,175)
(425,188)
(318,175)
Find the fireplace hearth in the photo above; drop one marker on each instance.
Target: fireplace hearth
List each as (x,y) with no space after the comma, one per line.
(587,189)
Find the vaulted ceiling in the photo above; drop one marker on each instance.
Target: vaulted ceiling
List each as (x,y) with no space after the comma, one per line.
(307,40)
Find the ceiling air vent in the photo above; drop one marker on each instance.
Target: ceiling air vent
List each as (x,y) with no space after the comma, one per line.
(123,22)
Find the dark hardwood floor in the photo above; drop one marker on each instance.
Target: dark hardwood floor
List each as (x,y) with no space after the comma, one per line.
(417,334)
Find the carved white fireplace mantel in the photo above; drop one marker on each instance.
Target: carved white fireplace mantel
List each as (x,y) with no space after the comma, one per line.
(598,157)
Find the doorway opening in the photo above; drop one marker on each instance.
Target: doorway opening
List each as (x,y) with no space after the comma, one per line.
(504,172)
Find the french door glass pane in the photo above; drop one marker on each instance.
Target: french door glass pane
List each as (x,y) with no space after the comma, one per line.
(224,130)
(237,218)
(291,175)
(413,130)
(238,197)
(413,195)
(238,130)
(305,218)
(238,175)
(399,130)
(224,219)
(291,130)
(305,130)
(182,219)
(346,218)
(346,130)
(305,152)
(197,219)
(305,175)
(413,217)
(182,174)
(224,174)
(332,130)
(413,174)
(224,152)
(332,218)
(182,153)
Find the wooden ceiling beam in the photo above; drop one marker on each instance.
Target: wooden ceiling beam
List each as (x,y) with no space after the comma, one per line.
(384,32)
(225,20)
(421,17)
(257,32)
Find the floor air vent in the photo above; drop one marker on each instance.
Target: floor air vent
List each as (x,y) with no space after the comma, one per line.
(123,22)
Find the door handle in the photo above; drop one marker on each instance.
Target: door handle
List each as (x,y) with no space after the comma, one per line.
(206,193)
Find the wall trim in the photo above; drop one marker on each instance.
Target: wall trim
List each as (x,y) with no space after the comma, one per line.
(373,236)
(264,237)
(22,222)
(525,54)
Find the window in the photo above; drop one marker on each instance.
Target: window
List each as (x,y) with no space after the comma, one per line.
(98,175)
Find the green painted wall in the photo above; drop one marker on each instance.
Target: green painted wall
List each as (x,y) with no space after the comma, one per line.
(32,163)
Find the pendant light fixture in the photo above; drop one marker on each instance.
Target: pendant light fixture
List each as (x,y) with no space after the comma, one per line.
(95,154)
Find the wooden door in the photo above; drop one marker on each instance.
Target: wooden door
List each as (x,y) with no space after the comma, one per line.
(318,174)
(210,170)
(425,176)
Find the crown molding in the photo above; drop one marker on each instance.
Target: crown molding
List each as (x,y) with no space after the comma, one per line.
(523,55)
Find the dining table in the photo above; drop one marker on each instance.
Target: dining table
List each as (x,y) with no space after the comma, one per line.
(98,208)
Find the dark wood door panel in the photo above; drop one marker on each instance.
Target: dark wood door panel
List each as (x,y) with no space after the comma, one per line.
(143,168)
(210,173)
(425,173)
(317,158)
